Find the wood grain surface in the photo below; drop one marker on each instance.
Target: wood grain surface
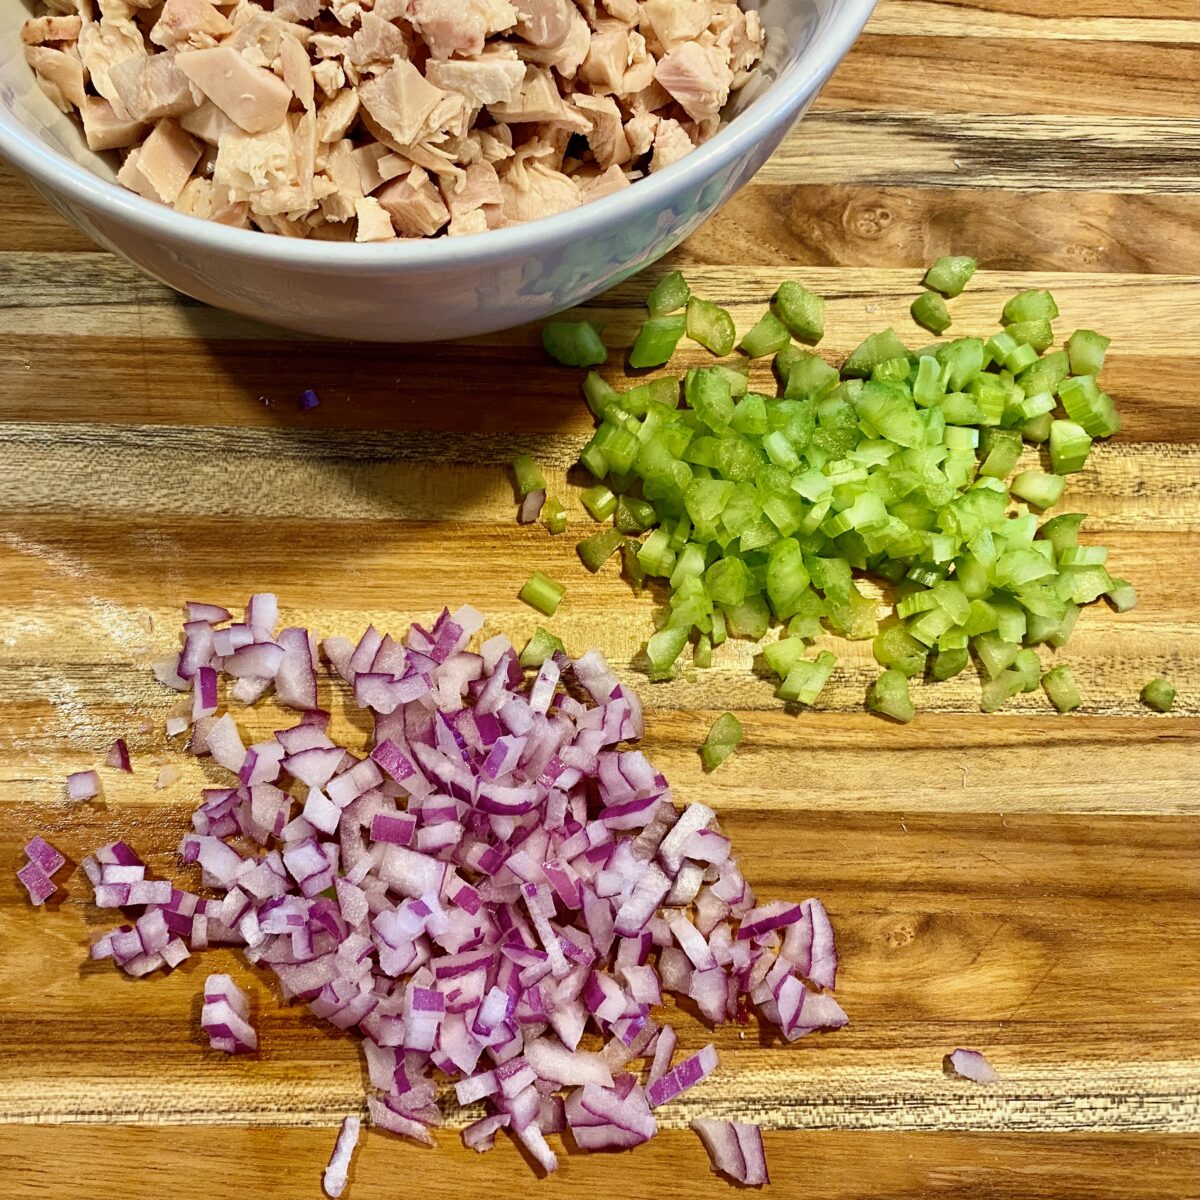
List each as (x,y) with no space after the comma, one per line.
(1021,883)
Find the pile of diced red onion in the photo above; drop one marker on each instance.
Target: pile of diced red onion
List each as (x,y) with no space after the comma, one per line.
(498,893)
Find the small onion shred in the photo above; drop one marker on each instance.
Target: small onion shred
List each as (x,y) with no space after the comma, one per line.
(496,876)
(970,1064)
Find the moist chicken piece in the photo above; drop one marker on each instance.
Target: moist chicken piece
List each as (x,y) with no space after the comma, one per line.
(540,102)
(376,43)
(671,143)
(479,186)
(607,58)
(604,184)
(533,189)
(103,44)
(163,163)
(342,172)
(104,130)
(202,198)
(492,78)
(565,56)
(252,97)
(248,163)
(335,118)
(296,69)
(208,123)
(676,21)
(329,77)
(153,87)
(606,137)
(452,27)
(640,131)
(627,11)
(189,24)
(37,31)
(475,221)
(374,224)
(414,204)
(299,10)
(59,75)
(401,100)
(697,76)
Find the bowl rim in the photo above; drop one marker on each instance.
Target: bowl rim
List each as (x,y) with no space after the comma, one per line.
(799,81)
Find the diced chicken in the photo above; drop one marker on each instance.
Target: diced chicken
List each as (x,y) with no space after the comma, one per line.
(208,123)
(248,163)
(540,102)
(299,10)
(376,43)
(532,190)
(676,21)
(489,79)
(163,163)
(189,24)
(260,37)
(103,44)
(414,204)
(640,131)
(626,11)
(607,58)
(329,77)
(474,221)
(545,22)
(639,75)
(452,27)
(606,137)
(104,130)
(335,118)
(402,101)
(59,75)
(671,143)
(697,76)
(374,225)
(202,198)
(565,56)
(376,164)
(297,71)
(479,186)
(605,184)
(342,172)
(250,96)
(152,87)
(37,31)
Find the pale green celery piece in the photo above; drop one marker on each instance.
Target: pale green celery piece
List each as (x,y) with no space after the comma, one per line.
(1159,694)
(889,696)
(1061,690)
(723,739)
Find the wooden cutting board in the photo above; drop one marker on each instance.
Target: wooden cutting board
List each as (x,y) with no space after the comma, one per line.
(1022,883)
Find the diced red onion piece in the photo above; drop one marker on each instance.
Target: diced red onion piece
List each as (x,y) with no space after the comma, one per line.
(334,1179)
(118,756)
(735,1150)
(83,785)
(970,1064)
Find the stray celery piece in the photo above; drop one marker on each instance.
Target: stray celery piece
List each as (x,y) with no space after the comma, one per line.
(1159,694)
(1038,488)
(634,515)
(889,697)
(806,680)
(1122,595)
(596,550)
(702,655)
(670,294)
(1059,685)
(543,593)
(1088,406)
(997,692)
(949,275)
(599,501)
(540,647)
(656,342)
(711,326)
(723,739)
(574,343)
(529,477)
(598,393)
(877,348)
(554,515)
(929,310)
(633,568)
(802,311)
(769,336)
(1069,447)
(1085,349)
(663,648)
(1033,305)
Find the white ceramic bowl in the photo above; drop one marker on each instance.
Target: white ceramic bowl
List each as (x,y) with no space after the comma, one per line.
(444,287)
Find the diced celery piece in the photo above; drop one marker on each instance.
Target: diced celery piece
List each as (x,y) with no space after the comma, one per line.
(599,501)
(709,394)
(1085,349)
(634,515)
(851,615)
(787,578)
(1032,305)
(1083,556)
(877,348)
(1029,667)
(529,476)
(750,619)
(554,515)
(996,692)
(999,450)
(994,653)
(1087,405)
(656,341)
(543,593)
(1061,691)
(950,274)
(929,310)
(736,374)
(634,571)
(574,343)
(541,646)
(1122,595)
(896,649)
(702,654)
(596,550)
(1037,429)
(768,336)
(598,393)
(723,739)
(807,679)
(669,295)
(963,360)
(782,656)
(801,311)
(888,695)
(1038,488)
(948,663)
(1037,334)
(810,377)
(663,648)
(655,555)
(1046,374)
(711,326)
(1159,694)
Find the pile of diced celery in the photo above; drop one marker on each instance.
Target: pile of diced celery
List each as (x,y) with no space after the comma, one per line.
(759,508)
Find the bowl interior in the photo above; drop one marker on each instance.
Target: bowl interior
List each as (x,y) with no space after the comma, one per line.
(791,25)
